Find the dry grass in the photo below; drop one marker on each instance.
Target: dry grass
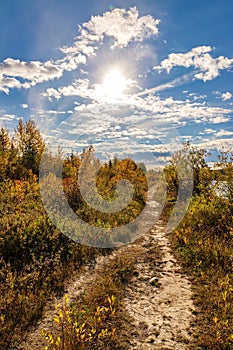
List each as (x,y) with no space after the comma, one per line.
(205,246)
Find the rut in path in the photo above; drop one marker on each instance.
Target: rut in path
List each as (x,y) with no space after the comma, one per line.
(158,299)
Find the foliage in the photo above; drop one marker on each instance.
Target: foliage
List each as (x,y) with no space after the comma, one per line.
(4,153)
(224,176)
(21,153)
(105,179)
(83,328)
(187,163)
(97,315)
(35,258)
(30,145)
(204,242)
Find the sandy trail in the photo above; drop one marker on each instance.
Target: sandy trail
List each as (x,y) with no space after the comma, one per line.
(158,299)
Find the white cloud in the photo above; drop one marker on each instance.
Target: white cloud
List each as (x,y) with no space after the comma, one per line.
(24,105)
(71,62)
(148,124)
(30,73)
(179,111)
(84,89)
(7,83)
(207,131)
(176,82)
(52,93)
(34,70)
(123,26)
(218,119)
(150,118)
(51,111)
(7,116)
(211,144)
(199,58)
(79,87)
(226,96)
(223,132)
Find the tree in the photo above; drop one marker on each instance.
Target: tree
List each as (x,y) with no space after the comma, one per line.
(224,174)
(5,145)
(30,145)
(189,159)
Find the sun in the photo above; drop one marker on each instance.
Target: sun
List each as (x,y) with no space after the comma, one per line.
(114,84)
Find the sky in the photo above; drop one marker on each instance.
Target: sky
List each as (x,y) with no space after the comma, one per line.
(132,78)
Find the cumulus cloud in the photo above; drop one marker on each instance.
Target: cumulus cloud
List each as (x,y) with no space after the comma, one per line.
(124,26)
(52,93)
(226,96)
(121,25)
(6,83)
(70,63)
(28,73)
(34,70)
(199,58)
(80,87)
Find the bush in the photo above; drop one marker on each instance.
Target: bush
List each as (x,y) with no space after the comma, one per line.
(204,241)
(35,259)
(83,328)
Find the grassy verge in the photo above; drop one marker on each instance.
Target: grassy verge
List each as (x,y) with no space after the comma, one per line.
(204,243)
(96,319)
(35,260)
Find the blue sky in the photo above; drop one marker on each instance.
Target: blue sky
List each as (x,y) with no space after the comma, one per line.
(133,80)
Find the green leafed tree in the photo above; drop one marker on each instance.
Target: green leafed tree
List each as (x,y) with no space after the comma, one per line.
(188,159)
(30,145)
(5,146)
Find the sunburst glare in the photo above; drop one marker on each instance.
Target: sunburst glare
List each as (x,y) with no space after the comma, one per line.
(114,84)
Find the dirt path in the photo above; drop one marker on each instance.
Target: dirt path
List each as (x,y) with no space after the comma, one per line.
(158,299)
